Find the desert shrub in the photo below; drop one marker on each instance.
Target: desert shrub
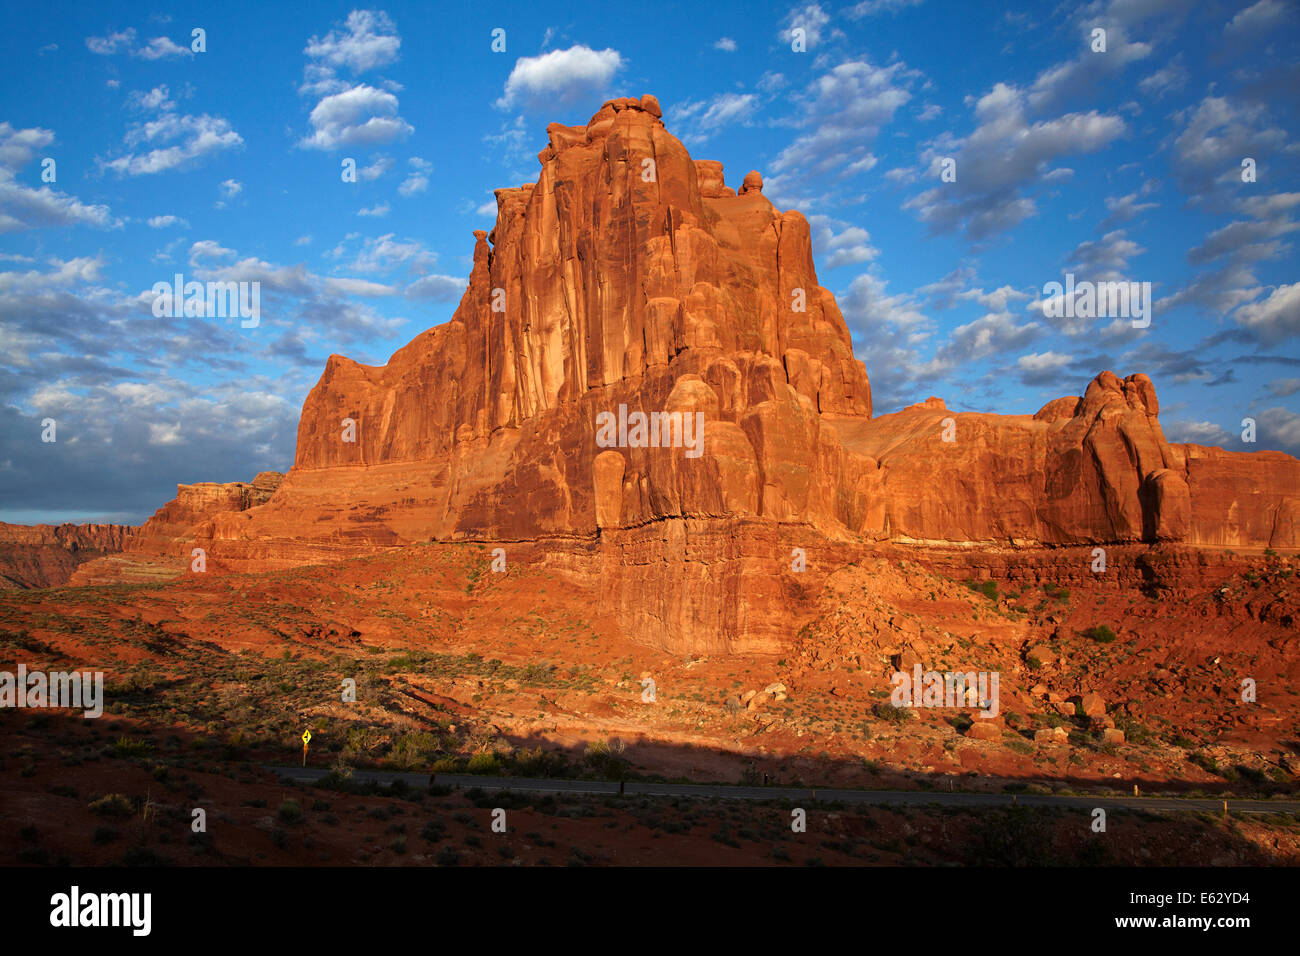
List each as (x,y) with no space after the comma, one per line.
(1134,732)
(484,763)
(538,763)
(895,715)
(539,673)
(290,812)
(449,765)
(1256,778)
(433,831)
(1101,634)
(363,740)
(605,758)
(112,805)
(988,588)
(129,747)
(413,750)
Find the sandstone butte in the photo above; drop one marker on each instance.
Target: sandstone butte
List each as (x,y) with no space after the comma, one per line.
(673,292)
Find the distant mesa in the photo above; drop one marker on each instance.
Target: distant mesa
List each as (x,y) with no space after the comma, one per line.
(43,556)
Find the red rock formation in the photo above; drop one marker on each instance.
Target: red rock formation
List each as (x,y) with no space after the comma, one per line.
(174,527)
(1095,469)
(45,556)
(629,278)
(627,275)
(1242,499)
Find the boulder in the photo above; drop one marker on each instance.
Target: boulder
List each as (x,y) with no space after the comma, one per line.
(1092,705)
(1041,654)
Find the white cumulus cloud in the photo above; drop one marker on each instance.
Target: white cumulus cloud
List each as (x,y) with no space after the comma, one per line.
(560,77)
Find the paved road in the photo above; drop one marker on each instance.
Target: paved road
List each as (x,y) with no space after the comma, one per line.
(915,798)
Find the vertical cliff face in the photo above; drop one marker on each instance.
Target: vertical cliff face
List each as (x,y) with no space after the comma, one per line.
(620,258)
(171,530)
(630,279)
(628,274)
(45,556)
(1090,469)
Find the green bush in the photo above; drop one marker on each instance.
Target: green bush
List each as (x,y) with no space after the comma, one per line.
(290,812)
(988,588)
(112,805)
(433,831)
(129,747)
(413,750)
(538,763)
(895,715)
(484,763)
(1134,732)
(605,757)
(1101,634)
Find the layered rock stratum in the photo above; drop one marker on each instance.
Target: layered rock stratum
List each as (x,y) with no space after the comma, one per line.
(630,276)
(171,529)
(43,555)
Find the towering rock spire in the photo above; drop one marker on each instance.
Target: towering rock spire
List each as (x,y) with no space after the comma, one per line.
(628,274)
(631,280)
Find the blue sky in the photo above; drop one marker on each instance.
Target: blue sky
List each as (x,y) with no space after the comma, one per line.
(1120,165)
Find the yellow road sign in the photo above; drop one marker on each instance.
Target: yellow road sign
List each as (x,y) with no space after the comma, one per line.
(306,737)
